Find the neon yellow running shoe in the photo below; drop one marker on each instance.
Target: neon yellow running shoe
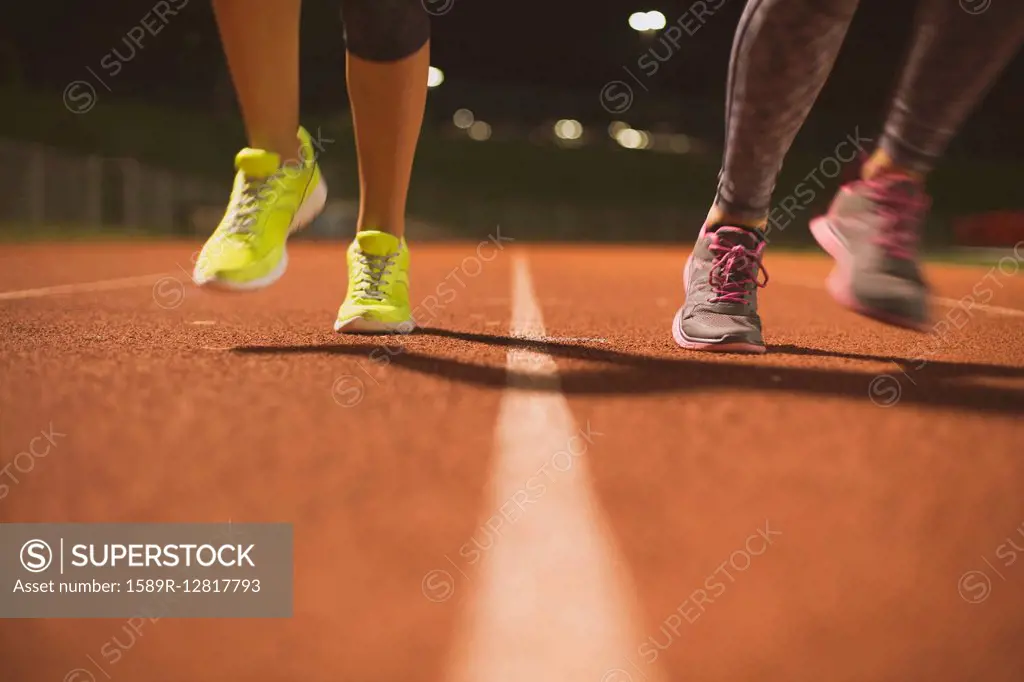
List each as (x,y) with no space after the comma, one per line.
(269,202)
(378,286)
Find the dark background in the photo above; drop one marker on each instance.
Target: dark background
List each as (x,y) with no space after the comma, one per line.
(567,45)
(518,65)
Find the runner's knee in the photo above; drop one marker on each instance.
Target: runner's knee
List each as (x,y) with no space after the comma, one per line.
(385,30)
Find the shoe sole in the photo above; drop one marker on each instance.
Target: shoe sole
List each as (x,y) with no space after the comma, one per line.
(307,213)
(686,342)
(840,281)
(359,325)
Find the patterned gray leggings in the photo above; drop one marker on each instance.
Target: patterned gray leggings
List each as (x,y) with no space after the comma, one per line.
(785,49)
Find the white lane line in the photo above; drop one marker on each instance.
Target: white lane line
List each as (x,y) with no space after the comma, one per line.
(85,287)
(948,302)
(561,339)
(550,598)
(994,309)
(574,339)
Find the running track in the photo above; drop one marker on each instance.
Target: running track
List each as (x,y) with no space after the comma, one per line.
(789,517)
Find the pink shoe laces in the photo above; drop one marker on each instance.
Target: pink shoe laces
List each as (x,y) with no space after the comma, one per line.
(734,266)
(901,211)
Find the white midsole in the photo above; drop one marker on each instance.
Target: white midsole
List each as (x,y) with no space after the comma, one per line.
(310,208)
(364,326)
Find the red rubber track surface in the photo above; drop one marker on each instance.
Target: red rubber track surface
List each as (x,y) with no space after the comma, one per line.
(185,406)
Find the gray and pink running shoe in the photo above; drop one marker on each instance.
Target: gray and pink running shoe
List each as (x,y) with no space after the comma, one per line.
(721,279)
(872,230)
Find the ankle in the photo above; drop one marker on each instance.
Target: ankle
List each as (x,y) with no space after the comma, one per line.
(718,216)
(288,147)
(395,230)
(880,163)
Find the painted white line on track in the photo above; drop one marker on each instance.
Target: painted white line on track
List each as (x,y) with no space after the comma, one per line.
(574,339)
(84,287)
(994,309)
(549,600)
(561,339)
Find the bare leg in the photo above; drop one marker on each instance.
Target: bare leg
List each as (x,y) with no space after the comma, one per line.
(388,100)
(261,42)
(388,57)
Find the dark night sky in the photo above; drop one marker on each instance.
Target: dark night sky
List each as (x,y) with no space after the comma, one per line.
(564,44)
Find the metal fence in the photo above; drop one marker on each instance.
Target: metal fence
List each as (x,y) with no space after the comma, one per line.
(46,187)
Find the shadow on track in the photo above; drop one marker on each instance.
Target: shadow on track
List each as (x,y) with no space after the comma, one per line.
(911,381)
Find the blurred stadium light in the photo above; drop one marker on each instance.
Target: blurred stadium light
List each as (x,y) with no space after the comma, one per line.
(647,21)
(463,118)
(435,77)
(480,131)
(615,126)
(568,129)
(633,139)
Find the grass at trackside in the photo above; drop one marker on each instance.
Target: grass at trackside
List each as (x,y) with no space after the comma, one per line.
(17,235)
(463,183)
